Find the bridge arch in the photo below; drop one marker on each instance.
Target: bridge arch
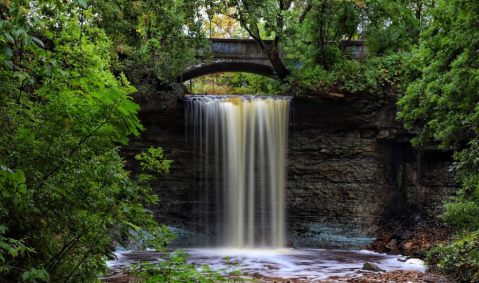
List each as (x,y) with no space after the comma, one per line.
(245,67)
(245,55)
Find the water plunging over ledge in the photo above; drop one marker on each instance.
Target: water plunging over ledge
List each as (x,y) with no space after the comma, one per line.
(242,141)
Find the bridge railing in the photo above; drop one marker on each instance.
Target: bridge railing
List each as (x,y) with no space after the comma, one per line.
(232,48)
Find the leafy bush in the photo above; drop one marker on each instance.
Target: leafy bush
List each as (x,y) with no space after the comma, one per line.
(175,268)
(459,259)
(65,197)
(351,75)
(237,83)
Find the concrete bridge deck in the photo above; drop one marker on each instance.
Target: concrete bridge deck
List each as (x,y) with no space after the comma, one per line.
(245,55)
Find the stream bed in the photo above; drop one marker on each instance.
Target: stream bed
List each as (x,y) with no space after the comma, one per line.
(312,265)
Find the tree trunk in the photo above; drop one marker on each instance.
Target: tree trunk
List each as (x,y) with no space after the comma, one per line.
(272,53)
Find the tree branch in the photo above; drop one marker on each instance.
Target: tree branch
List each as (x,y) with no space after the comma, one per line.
(77,147)
(305,13)
(85,256)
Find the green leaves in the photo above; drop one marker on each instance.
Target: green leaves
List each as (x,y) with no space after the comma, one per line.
(174,267)
(64,194)
(9,38)
(153,161)
(81,3)
(458,258)
(36,275)
(440,100)
(158,38)
(8,176)
(441,104)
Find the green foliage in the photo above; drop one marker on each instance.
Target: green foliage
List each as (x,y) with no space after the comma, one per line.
(371,76)
(255,12)
(175,268)
(463,209)
(153,160)
(459,258)
(162,27)
(65,196)
(393,26)
(315,37)
(237,83)
(313,43)
(153,38)
(441,103)
(245,83)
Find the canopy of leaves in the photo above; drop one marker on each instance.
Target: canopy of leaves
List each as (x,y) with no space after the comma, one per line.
(65,197)
(311,38)
(319,61)
(159,38)
(442,103)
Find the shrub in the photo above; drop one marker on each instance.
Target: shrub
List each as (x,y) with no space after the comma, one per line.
(458,259)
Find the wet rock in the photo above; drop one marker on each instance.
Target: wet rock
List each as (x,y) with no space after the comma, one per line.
(408,246)
(399,276)
(371,266)
(290,244)
(392,244)
(386,240)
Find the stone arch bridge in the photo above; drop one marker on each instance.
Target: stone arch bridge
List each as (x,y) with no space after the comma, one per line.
(245,55)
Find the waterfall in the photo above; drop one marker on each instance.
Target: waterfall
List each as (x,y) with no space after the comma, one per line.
(241,142)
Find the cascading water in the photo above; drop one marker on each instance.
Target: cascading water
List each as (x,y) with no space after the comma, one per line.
(242,142)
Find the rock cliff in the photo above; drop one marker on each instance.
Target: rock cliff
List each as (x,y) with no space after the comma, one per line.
(351,171)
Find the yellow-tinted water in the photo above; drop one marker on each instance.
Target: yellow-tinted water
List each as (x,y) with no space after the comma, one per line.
(247,139)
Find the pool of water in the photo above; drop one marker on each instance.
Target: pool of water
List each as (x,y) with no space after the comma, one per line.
(277,265)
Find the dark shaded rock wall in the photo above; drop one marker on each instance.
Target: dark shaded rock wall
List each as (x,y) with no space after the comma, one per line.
(350,170)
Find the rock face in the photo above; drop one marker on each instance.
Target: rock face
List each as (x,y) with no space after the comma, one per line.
(351,170)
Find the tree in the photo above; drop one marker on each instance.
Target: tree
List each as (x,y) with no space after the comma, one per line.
(153,38)
(224,26)
(441,104)
(318,33)
(65,197)
(250,14)
(392,26)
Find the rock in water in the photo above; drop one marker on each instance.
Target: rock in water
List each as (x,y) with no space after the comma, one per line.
(371,266)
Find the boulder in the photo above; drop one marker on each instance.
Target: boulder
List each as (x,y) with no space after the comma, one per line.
(371,267)
(392,244)
(408,246)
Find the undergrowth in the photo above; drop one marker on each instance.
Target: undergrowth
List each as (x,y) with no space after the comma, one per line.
(175,268)
(371,75)
(458,258)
